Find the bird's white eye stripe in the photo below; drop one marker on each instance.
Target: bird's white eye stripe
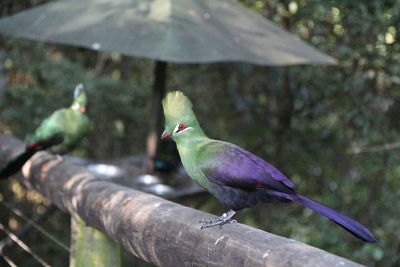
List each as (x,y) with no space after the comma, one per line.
(75,106)
(179,128)
(176,128)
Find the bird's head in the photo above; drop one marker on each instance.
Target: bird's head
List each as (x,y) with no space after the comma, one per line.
(180,121)
(80,99)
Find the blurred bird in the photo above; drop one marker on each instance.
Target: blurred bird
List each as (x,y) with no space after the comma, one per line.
(72,123)
(60,133)
(236,177)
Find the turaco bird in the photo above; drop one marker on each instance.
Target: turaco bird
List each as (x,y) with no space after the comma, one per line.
(72,123)
(236,177)
(60,132)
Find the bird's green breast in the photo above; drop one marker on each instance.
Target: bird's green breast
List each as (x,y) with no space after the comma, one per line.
(72,124)
(190,153)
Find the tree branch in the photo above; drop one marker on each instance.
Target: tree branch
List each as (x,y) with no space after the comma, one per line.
(359,150)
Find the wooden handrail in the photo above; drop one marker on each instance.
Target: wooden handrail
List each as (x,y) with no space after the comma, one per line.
(157,230)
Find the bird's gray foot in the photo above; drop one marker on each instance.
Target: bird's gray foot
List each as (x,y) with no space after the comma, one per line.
(221,220)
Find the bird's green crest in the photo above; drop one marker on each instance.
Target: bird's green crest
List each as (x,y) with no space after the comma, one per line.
(178,109)
(80,98)
(176,104)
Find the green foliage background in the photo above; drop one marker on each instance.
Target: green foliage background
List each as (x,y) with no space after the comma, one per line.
(306,120)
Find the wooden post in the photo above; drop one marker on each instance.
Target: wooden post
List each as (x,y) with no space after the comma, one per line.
(90,247)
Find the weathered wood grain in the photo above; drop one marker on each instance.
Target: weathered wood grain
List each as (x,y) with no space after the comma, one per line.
(157,230)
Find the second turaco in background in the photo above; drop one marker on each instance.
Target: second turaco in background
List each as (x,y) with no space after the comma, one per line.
(60,132)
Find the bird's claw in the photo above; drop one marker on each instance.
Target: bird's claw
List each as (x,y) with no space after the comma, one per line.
(206,220)
(215,222)
(223,219)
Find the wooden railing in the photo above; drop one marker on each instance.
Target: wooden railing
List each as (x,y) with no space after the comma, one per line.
(154,229)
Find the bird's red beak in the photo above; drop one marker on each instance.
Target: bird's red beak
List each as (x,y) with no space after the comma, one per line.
(165,134)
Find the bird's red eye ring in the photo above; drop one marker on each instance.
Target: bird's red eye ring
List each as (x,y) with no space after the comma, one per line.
(181,126)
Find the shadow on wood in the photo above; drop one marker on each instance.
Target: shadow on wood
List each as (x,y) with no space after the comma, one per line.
(158,230)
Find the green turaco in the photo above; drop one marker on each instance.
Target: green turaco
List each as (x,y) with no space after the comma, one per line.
(60,133)
(236,177)
(71,122)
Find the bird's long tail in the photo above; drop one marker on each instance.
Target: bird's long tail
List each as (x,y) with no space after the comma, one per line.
(354,227)
(15,164)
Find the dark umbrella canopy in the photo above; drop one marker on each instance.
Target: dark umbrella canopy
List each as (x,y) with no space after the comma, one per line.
(181,31)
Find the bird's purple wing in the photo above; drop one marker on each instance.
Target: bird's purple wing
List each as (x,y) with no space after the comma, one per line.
(227,164)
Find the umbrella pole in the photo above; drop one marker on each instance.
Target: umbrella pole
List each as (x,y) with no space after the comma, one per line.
(153,138)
